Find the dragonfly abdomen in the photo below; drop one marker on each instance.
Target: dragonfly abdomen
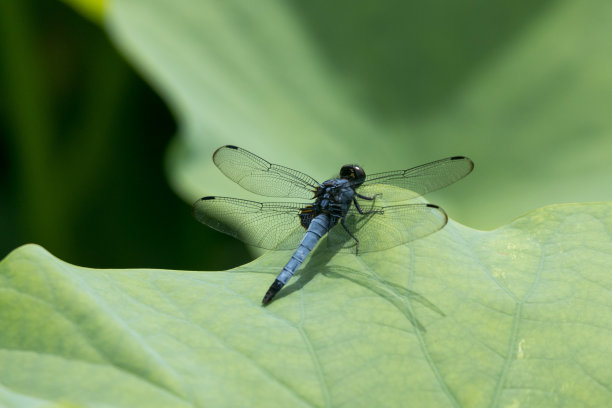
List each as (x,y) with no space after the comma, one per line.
(317,228)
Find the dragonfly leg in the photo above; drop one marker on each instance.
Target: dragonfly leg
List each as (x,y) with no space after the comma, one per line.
(367,197)
(370,211)
(352,236)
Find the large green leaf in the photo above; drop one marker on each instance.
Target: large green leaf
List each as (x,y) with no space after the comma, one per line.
(518,316)
(521,87)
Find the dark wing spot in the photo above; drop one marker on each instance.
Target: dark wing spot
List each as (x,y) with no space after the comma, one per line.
(467,159)
(207,198)
(231,147)
(433,206)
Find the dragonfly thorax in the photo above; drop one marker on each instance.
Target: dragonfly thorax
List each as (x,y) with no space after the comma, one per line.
(335,197)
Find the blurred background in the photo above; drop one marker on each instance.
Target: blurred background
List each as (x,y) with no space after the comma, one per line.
(109,113)
(82,151)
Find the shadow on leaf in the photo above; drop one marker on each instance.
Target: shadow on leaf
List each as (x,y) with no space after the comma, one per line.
(398,296)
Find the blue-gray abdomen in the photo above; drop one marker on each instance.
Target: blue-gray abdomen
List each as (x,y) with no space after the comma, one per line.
(317,228)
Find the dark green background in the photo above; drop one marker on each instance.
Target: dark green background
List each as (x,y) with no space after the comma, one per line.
(82,150)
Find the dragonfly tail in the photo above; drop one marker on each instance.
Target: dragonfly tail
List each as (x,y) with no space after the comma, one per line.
(274,288)
(317,228)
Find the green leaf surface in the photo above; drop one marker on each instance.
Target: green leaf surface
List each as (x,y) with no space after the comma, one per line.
(518,316)
(523,88)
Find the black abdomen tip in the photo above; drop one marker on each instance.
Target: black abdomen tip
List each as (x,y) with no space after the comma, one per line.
(272,291)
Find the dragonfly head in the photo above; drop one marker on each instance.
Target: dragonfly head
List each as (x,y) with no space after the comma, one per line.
(353,173)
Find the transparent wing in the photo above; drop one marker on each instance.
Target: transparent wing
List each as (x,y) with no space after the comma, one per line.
(391,226)
(264,225)
(262,177)
(418,180)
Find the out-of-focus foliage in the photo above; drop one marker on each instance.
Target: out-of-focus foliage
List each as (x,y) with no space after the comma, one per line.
(521,87)
(81,151)
(94,9)
(518,316)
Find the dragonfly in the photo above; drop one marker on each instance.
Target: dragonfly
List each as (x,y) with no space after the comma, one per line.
(345,208)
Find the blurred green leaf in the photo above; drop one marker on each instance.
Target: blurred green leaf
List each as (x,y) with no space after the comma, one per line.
(521,87)
(92,9)
(82,141)
(518,316)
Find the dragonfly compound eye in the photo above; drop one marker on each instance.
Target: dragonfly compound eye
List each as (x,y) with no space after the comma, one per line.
(354,173)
